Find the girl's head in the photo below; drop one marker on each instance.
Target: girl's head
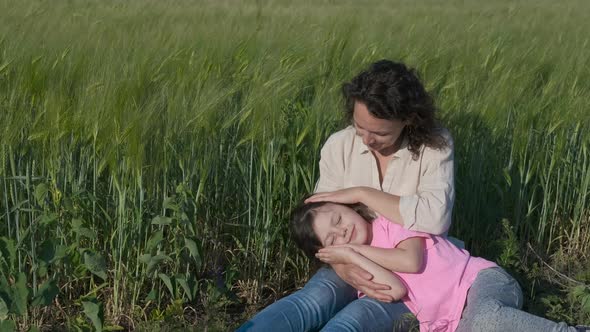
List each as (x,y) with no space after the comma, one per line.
(321,224)
(387,102)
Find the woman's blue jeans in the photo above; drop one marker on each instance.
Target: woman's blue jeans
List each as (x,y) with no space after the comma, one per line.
(327,303)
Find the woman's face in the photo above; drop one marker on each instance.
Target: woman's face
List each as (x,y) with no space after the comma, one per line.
(338,224)
(379,135)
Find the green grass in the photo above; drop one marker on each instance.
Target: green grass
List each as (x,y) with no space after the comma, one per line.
(150,151)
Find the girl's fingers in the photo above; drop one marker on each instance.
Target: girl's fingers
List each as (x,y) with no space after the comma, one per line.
(346,245)
(325,260)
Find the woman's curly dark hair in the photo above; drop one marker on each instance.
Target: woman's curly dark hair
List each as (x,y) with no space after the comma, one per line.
(392,91)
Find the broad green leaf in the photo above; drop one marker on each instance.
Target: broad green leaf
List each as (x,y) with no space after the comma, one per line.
(159,220)
(156,260)
(47,292)
(47,218)
(154,240)
(94,312)
(40,193)
(60,252)
(42,270)
(187,290)
(7,326)
(169,204)
(7,253)
(86,232)
(194,250)
(47,251)
(145,258)
(4,285)
(80,230)
(167,282)
(33,329)
(582,293)
(586,303)
(76,223)
(580,290)
(3,309)
(96,264)
(20,293)
(152,295)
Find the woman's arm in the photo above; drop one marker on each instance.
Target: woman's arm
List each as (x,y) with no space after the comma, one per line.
(381,202)
(428,210)
(427,206)
(342,255)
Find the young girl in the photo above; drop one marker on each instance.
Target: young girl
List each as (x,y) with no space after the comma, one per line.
(445,287)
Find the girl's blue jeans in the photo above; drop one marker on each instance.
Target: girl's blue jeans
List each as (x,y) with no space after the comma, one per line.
(327,303)
(493,305)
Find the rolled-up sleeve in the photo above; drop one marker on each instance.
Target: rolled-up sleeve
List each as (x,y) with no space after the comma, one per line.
(331,167)
(430,209)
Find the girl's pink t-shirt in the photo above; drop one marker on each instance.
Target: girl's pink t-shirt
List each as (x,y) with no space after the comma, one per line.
(436,294)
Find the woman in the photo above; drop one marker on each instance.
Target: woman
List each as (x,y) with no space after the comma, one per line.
(395,145)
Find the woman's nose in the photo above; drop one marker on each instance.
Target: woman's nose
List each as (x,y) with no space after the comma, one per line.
(368,139)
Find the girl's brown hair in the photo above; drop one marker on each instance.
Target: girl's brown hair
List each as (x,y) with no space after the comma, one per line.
(302,219)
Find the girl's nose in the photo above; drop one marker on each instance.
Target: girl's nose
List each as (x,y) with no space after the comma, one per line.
(341,232)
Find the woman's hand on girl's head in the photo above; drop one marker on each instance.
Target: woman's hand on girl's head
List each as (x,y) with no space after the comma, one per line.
(343,196)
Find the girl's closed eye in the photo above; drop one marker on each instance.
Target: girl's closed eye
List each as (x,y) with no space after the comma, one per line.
(329,241)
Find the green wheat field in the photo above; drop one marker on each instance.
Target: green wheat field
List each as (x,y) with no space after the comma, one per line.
(151,151)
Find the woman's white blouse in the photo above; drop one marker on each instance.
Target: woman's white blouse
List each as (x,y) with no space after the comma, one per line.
(425,185)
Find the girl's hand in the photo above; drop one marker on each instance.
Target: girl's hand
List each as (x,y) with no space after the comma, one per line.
(336,254)
(343,196)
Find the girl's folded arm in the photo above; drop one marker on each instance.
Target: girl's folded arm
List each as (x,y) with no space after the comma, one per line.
(407,257)
(382,276)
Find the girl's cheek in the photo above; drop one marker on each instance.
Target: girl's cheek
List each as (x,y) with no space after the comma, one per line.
(339,241)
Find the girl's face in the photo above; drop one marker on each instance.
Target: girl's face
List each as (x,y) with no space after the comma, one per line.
(378,135)
(338,224)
